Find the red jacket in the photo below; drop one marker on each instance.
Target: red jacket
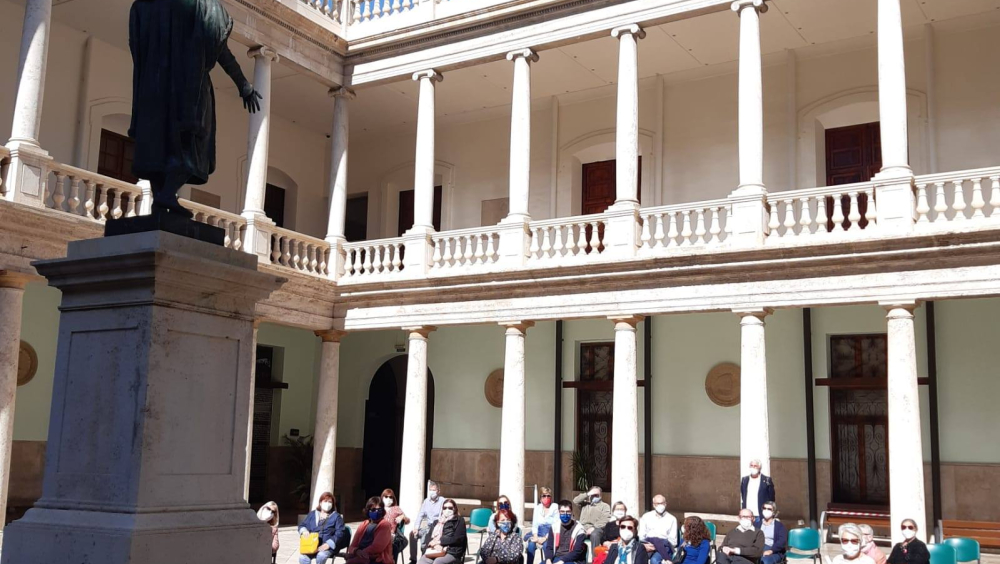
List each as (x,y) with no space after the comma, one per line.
(380,549)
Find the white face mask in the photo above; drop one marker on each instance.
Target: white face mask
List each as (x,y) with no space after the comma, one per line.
(595,499)
(326,506)
(851,549)
(767,513)
(387,502)
(754,472)
(909,534)
(447,513)
(433,495)
(266,514)
(745,524)
(626,534)
(619,514)
(661,509)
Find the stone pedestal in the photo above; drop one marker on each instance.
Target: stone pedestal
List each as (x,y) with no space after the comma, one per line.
(146,457)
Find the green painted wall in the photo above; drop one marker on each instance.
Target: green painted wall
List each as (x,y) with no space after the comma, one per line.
(299,369)
(40,329)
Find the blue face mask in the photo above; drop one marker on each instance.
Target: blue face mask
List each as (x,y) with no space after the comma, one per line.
(375,515)
(565,518)
(504,506)
(504,527)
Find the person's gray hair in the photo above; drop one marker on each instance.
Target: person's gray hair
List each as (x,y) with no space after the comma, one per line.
(598,488)
(849,529)
(773,505)
(756,461)
(433,484)
(866,529)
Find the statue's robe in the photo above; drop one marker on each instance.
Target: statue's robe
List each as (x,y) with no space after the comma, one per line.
(174,45)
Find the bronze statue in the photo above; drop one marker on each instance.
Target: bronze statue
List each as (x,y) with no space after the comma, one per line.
(174,45)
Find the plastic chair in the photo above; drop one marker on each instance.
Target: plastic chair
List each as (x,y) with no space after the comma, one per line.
(340,553)
(479,520)
(967,550)
(711,534)
(805,540)
(942,554)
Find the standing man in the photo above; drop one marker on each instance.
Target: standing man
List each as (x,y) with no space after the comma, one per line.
(756,489)
(743,545)
(427,517)
(594,514)
(658,531)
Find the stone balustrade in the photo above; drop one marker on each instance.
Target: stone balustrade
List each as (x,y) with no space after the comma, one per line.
(299,252)
(92,195)
(566,240)
(954,198)
(824,211)
(234,225)
(685,225)
(331,9)
(465,249)
(371,261)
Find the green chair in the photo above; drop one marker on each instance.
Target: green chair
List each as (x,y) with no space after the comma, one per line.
(942,554)
(479,521)
(340,554)
(967,550)
(711,533)
(806,541)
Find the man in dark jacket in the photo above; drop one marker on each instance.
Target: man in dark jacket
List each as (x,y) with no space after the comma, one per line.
(743,545)
(756,489)
(775,534)
(569,537)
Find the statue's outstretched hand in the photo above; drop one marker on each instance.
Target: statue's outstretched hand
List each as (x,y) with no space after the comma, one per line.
(251,101)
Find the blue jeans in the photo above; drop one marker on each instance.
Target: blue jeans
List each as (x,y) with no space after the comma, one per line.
(320,557)
(654,558)
(546,550)
(772,558)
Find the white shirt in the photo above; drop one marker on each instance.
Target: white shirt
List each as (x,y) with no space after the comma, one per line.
(652,525)
(753,488)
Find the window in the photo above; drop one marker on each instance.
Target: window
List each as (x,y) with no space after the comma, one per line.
(117,152)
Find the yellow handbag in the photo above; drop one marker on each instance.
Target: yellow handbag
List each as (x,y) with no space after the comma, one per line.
(309,544)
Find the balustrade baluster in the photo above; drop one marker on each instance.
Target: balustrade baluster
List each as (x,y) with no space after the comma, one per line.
(699,230)
(116,208)
(237,236)
(376,11)
(387,258)
(130,198)
(437,256)
(276,249)
(321,254)
(805,217)
(595,237)
(686,230)
(646,237)
(855,216)
(58,196)
(546,243)
(351,264)
(74,195)
(940,202)
(225,224)
(468,255)
(479,253)
(571,241)
(994,196)
(491,249)
(821,213)
(88,203)
(672,231)
(790,222)
(535,247)
(658,233)
(772,220)
(102,208)
(581,239)
(958,203)
(557,245)
(978,203)
(366,265)
(871,213)
(355,11)
(715,227)
(447,256)
(922,206)
(313,261)
(838,213)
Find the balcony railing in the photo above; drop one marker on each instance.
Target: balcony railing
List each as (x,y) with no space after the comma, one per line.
(954,201)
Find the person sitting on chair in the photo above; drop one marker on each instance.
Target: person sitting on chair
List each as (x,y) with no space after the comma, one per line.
(329,524)
(658,531)
(372,543)
(628,549)
(850,546)
(447,541)
(545,521)
(394,514)
(430,512)
(697,541)
(611,532)
(912,550)
(594,514)
(569,541)
(503,545)
(744,544)
(775,534)
(868,545)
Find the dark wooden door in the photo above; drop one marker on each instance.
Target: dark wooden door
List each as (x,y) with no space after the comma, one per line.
(356,222)
(594,406)
(859,420)
(853,154)
(117,153)
(274,204)
(406,211)
(599,190)
(263,409)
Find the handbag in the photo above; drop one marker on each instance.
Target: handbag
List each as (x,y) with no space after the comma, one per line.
(309,544)
(399,542)
(679,555)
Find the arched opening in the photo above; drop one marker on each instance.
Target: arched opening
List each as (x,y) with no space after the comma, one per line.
(383,443)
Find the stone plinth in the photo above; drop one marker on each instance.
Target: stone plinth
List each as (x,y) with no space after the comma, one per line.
(146,457)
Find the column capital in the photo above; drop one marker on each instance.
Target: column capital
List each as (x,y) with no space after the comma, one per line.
(631,29)
(430,74)
(749,313)
(528,54)
(520,327)
(263,51)
(331,335)
(625,322)
(758,5)
(342,92)
(419,331)
(17,280)
(899,309)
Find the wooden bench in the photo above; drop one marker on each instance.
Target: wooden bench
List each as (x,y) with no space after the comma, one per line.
(986,532)
(832,519)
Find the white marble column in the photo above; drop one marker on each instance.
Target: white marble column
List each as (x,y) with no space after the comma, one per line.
(257,237)
(423,173)
(31,72)
(11,300)
(520,134)
(325,432)
(625,431)
(892,90)
(754,436)
(512,419)
(906,459)
(627,124)
(412,479)
(338,164)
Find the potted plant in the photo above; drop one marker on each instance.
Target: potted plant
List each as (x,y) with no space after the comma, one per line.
(300,468)
(582,463)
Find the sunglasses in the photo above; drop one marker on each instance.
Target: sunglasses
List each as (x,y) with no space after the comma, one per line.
(546,496)
(449,507)
(850,541)
(627,528)
(908,528)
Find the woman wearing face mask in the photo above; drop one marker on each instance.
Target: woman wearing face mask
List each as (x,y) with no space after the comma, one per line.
(545,519)
(395,516)
(503,504)
(697,543)
(503,545)
(447,542)
(611,530)
(325,521)
(373,542)
(850,543)
(912,550)
(627,549)
(268,513)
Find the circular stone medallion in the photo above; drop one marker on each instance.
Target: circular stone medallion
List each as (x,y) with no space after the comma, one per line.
(723,384)
(27,364)
(494,388)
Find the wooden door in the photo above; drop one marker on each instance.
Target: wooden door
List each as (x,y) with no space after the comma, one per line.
(274,204)
(594,405)
(405,216)
(599,190)
(356,222)
(263,410)
(115,159)
(853,154)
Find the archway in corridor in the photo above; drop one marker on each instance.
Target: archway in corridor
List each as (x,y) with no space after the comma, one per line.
(383,443)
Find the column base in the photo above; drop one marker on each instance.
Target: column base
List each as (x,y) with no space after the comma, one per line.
(51,535)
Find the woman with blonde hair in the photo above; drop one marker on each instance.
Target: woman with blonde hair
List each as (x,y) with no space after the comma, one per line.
(268,513)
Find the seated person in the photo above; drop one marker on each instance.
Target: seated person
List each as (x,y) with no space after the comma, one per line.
(504,545)
(545,520)
(697,541)
(569,538)
(372,543)
(618,511)
(658,530)
(775,533)
(447,541)
(628,549)
(868,545)
(744,544)
(594,514)
(850,547)
(329,525)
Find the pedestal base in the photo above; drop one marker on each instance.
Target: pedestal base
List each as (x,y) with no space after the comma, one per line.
(171,223)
